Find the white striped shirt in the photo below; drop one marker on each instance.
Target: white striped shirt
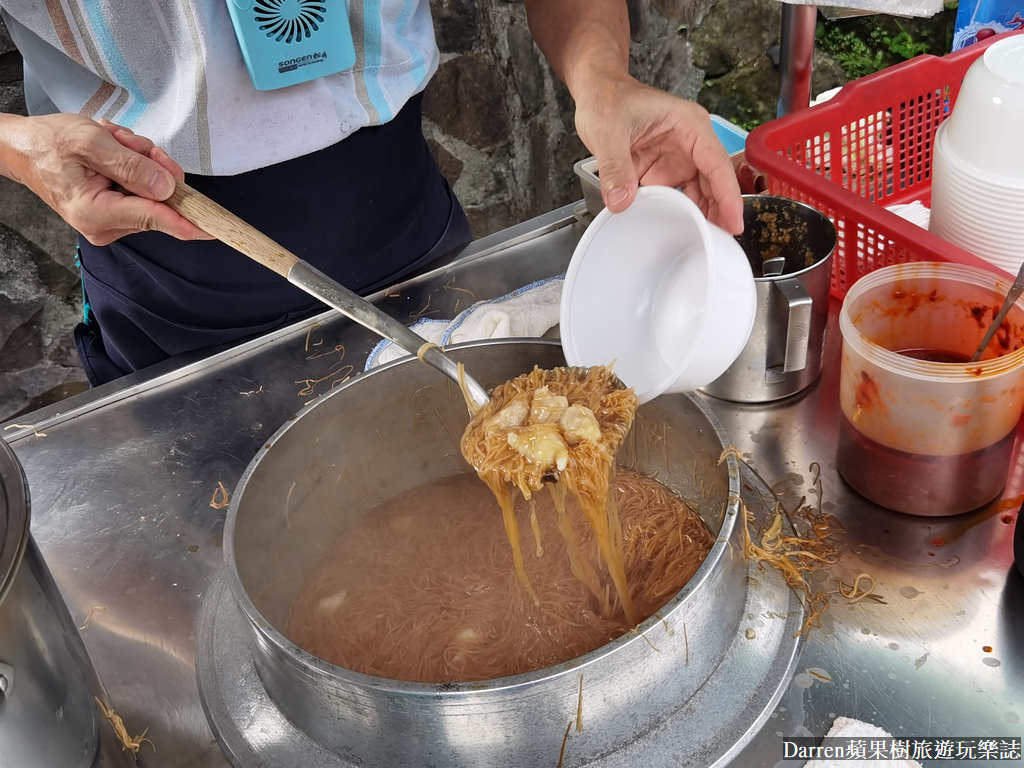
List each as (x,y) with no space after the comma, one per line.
(172,70)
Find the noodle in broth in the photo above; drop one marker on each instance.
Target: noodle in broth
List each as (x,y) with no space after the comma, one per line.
(424,589)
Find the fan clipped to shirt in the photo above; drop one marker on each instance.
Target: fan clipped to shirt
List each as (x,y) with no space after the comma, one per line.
(285,42)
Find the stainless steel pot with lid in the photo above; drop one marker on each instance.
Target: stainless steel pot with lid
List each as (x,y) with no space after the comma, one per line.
(48,714)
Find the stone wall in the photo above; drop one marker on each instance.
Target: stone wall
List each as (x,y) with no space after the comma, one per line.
(40,296)
(499,123)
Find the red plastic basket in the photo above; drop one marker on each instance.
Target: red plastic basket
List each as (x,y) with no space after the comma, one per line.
(867,148)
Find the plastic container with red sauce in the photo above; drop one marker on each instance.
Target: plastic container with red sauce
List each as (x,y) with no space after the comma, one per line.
(920,434)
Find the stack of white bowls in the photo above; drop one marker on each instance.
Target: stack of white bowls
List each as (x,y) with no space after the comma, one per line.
(978,160)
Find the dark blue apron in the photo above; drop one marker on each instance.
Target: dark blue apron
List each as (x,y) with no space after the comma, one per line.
(367,211)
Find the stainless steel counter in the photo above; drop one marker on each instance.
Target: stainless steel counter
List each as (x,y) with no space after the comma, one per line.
(124,483)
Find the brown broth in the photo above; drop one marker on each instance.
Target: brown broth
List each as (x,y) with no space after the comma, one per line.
(424,587)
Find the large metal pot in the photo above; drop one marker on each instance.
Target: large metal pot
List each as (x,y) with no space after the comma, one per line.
(48,716)
(394,429)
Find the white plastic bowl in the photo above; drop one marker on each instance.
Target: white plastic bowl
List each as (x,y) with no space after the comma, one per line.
(973,208)
(658,292)
(985,127)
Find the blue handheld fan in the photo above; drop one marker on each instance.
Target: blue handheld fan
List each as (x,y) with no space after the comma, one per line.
(285,42)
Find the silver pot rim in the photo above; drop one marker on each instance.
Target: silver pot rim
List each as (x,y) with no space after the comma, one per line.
(284,647)
(14,516)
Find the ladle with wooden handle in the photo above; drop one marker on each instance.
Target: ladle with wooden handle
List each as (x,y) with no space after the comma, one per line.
(246,239)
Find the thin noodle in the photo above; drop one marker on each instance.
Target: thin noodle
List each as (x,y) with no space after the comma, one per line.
(535,527)
(579,708)
(424,348)
(565,738)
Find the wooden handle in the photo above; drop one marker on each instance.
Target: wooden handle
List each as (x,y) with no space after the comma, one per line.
(228,228)
(225,226)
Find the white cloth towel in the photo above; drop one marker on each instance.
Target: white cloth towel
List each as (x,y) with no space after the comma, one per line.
(527,312)
(915,212)
(847,727)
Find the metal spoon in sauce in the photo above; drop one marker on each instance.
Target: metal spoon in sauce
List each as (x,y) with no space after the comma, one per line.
(1011,297)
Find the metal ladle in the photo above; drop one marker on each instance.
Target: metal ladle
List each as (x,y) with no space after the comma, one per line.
(246,239)
(1011,297)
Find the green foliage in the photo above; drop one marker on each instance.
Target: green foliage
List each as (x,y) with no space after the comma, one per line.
(750,123)
(865,44)
(859,56)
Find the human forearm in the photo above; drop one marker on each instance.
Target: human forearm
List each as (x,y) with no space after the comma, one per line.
(10,136)
(585,41)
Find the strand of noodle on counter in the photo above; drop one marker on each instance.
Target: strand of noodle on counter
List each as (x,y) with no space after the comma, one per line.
(795,557)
